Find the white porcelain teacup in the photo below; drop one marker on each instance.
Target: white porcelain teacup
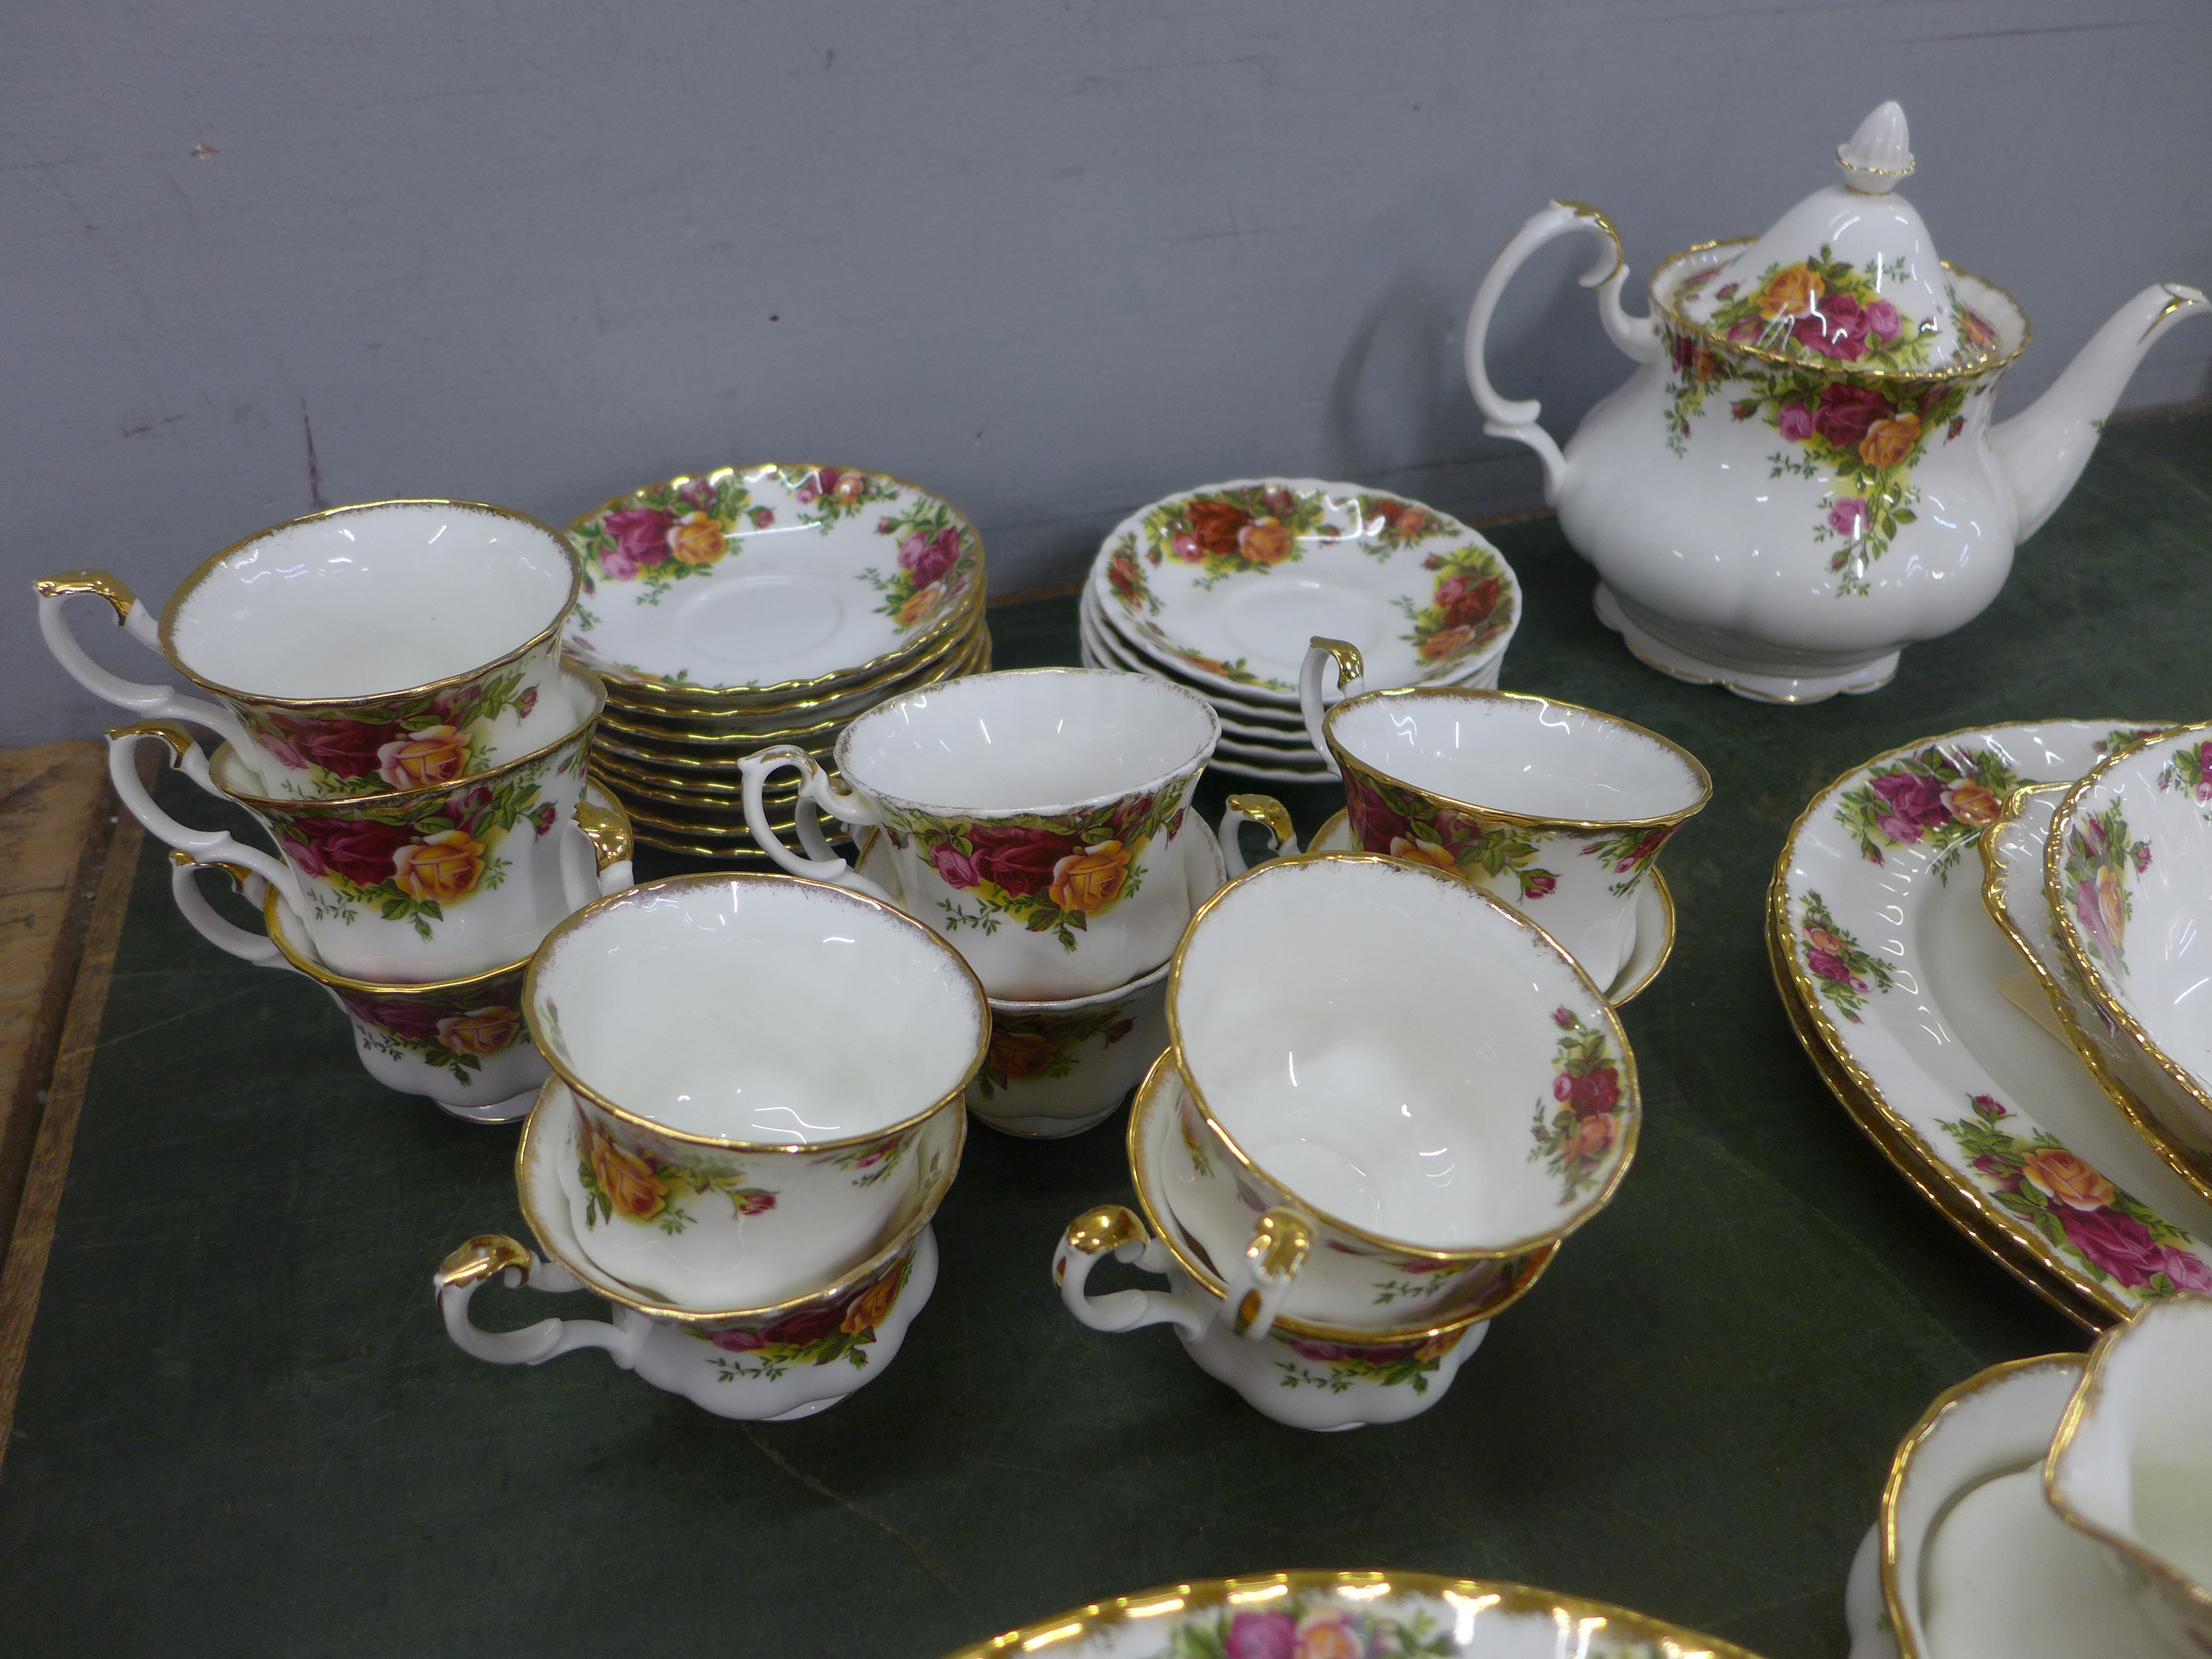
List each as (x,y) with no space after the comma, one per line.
(1027,812)
(1306,1374)
(358,650)
(1558,810)
(789,1360)
(2131,1465)
(435,883)
(1404,1063)
(766,1076)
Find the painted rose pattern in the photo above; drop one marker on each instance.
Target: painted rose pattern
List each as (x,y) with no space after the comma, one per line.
(2189,769)
(408,860)
(831,492)
(1470,607)
(1253,528)
(935,564)
(1309,1625)
(1047,874)
(2113,1237)
(1861,435)
(454,1030)
(404,742)
(1936,800)
(1576,1129)
(2099,863)
(655,1186)
(1842,971)
(1030,1047)
(843,1329)
(1500,858)
(667,532)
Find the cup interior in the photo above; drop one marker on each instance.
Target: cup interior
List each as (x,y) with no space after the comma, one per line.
(1027,741)
(372,599)
(1524,754)
(757,1009)
(1375,1038)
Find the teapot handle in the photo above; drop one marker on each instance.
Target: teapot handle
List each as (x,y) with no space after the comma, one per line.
(1638,336)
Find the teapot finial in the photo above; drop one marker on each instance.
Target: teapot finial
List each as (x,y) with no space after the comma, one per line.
(1879,153)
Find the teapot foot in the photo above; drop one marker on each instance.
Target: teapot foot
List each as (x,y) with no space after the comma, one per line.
(1647,647)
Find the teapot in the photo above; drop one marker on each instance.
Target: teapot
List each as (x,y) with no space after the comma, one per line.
(1802,478)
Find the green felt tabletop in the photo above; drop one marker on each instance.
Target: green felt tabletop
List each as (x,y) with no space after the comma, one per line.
(242,1430)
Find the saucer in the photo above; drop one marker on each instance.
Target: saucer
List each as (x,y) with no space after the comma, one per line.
(1227,583)
(771,579)
(1655,919)
(1892,976)
(1254,719)
(1971,1560)
(1348,1613)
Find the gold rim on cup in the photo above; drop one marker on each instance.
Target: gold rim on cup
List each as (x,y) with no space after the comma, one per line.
(647,892)
(1631,1087)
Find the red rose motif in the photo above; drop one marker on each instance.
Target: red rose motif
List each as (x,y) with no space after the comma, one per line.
(1846,413)
(1019,861)
(926,560)
(345,748)
(1374,825)
(641,536)
(1538,883)
(1837,328)
(1595,1091)
(1830,966)
(1468,603)
(736,1342)
(406,1017)
(1216,525)
(802,1328)
(2115,1242)
(1261,1636)
(1915,805)
(2005,1180)
(2187,1272)
(359,849)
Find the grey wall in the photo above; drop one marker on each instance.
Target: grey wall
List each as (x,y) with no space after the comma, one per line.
(1053,259)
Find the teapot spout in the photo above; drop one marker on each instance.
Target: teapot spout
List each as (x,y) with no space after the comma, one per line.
(2041,450)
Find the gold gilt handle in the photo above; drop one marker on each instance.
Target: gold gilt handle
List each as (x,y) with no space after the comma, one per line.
(1269,814)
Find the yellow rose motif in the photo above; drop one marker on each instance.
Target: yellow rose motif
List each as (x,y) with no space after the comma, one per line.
(919,604)
(439,868)
(2111,905)
(2062,1176)
(1445,642)
(1422,852)
(1090,880)
(1018,1053)
(627,1180)
(1265,541)
(1793,291)
(1973,804)
(1887,442)
(850,486)
(870,1308)
(1440,1345)
(436,754)
(694,538)
(480,1031)
(1324,1636)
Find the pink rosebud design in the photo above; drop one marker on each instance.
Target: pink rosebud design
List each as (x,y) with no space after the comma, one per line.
(524,704)
(1797,422)
(1837,328)
(1564,1019)
(1537,883)
(1847,517)
(1261,1636)
(1881,320)
(641,536)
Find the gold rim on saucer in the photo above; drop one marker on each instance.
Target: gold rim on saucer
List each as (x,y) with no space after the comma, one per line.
(966,648)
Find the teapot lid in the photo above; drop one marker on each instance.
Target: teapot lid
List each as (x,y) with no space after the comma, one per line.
(1847,279)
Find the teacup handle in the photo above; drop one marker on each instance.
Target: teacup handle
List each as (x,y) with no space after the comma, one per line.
(1115,1228)
(205,846)
(1281,1241)
(494,1253)
(814,786)
(1269,814)
(153,702)
(184,886)
(1350,668)
(607,834)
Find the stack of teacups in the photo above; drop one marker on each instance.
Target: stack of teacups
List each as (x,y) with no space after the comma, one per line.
(2105,885)
(388,682)
(1390,1096)
(756,1109)
(742,608)
(1219,588)
(1558,810)
(1039,821)
(2054,1506)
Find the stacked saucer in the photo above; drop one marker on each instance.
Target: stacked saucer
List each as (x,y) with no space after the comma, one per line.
(1220,590)
(747,607)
